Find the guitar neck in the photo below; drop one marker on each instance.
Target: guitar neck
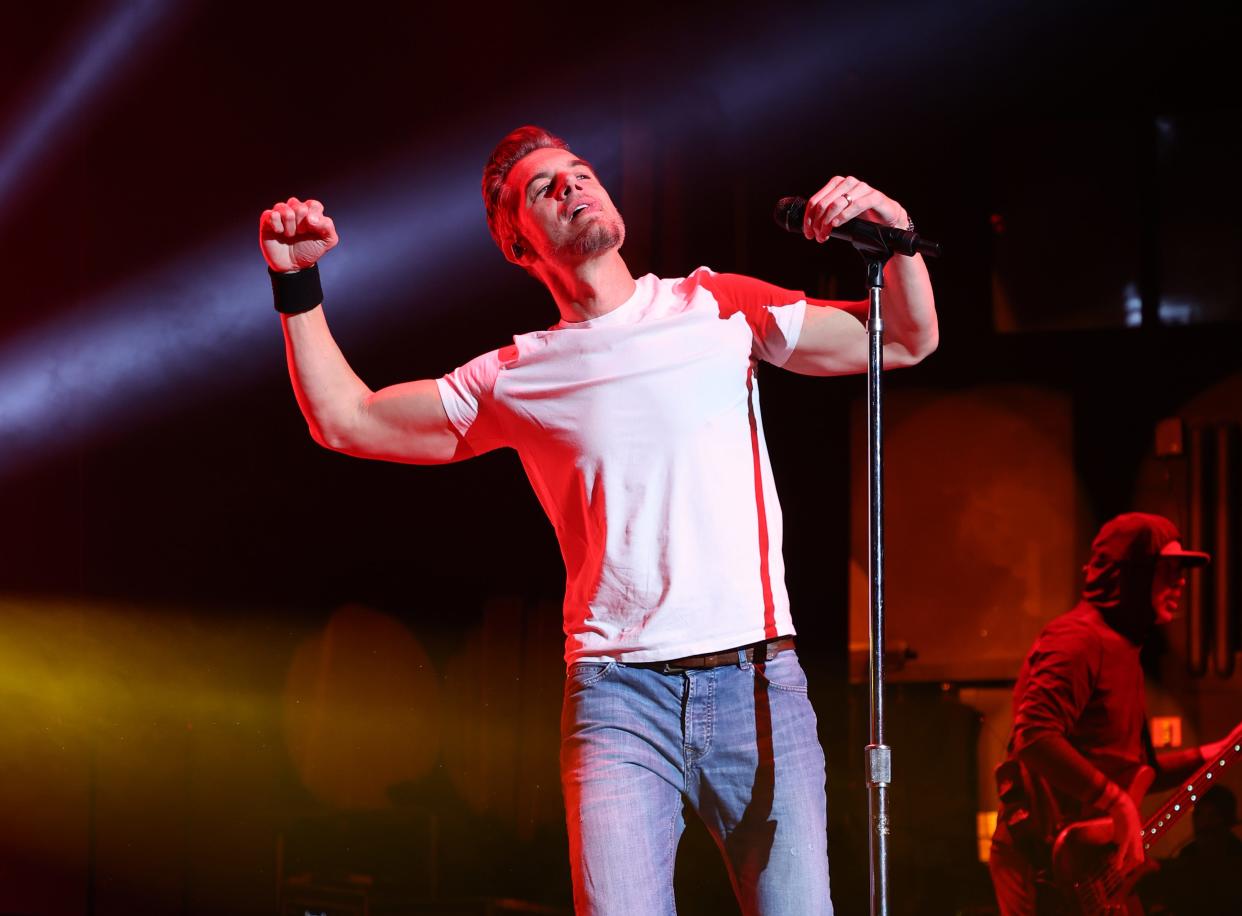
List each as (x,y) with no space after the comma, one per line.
(1187,795)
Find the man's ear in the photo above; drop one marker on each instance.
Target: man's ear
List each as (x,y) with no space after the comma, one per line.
(515,250)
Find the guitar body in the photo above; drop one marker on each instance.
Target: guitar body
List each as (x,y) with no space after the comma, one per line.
(1083,859)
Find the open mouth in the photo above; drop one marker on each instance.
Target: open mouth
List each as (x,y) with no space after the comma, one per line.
(578,209)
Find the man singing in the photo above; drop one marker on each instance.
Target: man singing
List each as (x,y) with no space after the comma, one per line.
(636,417)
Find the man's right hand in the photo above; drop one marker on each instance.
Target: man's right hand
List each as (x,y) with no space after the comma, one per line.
(1127,825)
(295,234)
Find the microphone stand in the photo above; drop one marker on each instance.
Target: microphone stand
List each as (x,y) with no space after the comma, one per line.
(876,243)
(879,754)
(876,251)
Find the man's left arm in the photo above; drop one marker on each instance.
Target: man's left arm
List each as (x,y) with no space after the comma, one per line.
(832,341)
(1174,767)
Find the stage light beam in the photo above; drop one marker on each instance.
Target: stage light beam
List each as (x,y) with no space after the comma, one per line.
(94,64)
(202,324)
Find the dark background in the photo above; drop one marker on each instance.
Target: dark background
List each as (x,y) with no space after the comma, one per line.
(171,535)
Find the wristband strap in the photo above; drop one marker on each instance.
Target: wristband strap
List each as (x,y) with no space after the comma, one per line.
(909,226)
(296,292)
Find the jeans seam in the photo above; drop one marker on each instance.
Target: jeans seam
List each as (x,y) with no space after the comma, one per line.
(710,727)
(671,858)
(687,727)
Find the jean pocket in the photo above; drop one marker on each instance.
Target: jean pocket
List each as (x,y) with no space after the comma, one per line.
(584,674)
(784,672)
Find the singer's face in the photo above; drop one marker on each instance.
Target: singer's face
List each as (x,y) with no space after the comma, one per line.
(563,213)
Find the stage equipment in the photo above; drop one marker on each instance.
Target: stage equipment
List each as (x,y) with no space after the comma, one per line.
(876,243)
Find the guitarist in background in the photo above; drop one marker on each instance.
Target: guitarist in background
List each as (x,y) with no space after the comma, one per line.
(1079,733)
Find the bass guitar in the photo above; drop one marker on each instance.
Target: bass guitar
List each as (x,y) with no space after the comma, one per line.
(1084,860)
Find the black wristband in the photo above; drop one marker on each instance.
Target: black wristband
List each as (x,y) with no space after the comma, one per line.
(297,292)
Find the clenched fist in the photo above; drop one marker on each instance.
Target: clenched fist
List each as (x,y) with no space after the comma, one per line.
(295,234)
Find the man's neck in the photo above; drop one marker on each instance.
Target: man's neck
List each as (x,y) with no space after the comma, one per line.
(589,288)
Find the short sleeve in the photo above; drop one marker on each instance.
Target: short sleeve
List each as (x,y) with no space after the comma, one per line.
(1057,686)
(775,315)
(467,394)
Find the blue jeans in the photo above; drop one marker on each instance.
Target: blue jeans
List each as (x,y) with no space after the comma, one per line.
(737,743)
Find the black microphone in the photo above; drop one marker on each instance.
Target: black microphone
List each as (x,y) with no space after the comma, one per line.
(863,234)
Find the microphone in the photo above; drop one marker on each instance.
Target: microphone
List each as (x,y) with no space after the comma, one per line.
(863,234)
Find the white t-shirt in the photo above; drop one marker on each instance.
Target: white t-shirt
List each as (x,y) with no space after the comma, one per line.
(641,434)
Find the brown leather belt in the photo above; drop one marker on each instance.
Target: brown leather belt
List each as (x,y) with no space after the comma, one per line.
(755,653)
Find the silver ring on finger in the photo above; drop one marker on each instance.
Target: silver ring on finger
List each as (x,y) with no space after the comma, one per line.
(848,201)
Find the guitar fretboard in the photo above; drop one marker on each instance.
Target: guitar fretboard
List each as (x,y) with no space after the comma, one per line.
(1184,799)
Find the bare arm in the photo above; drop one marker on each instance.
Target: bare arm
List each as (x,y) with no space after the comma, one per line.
(1053,758)
(1174,766)
(1178,766)
(404,422)
(833,341)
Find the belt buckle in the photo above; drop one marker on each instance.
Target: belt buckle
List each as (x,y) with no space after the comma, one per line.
(670,668)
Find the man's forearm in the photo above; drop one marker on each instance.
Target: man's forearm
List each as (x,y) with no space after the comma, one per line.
(1175,766)
(1053,758)
(328,391)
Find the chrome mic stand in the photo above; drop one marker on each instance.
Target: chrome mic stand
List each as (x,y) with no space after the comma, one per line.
(879,754)
(876,243)
(876,247)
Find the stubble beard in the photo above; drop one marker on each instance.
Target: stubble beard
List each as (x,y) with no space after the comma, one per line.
(602,234)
